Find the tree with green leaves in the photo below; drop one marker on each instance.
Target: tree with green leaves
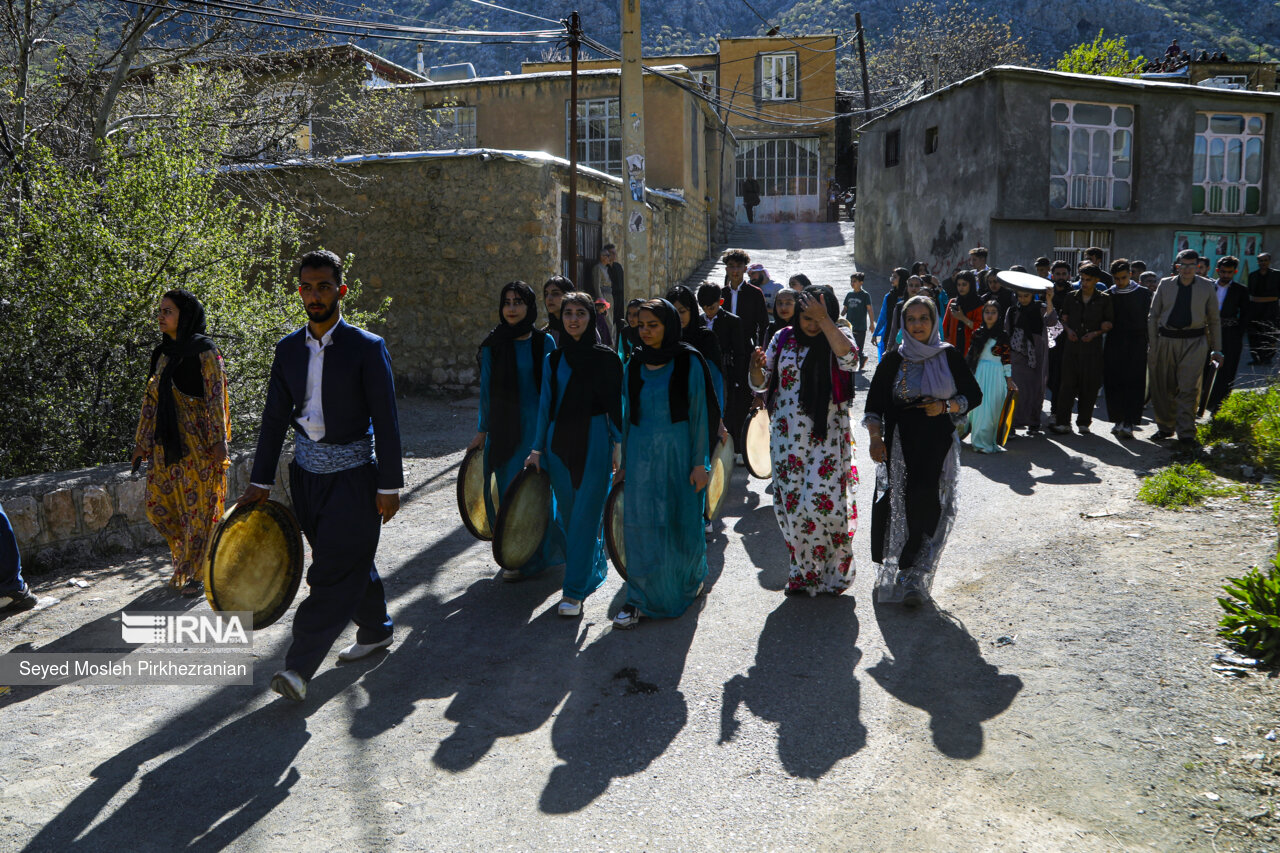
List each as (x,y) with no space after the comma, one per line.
(85,254)
(1102,57)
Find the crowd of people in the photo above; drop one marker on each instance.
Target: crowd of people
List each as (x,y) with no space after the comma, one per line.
(646,398)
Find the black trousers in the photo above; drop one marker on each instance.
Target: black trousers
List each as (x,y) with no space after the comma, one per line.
(1232,350)
(1125,374)
(1081,381)
(859,340)
(737,401)
(1264,317)
(340,519)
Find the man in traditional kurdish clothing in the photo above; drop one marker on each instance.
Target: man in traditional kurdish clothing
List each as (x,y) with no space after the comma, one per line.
(332,382)
(1087,314)
(1184,330)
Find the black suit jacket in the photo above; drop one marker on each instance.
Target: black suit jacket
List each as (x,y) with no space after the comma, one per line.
(357,393)
(1235,310)
(752,310)
(733,347)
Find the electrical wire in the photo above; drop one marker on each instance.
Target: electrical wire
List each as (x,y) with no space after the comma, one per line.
(757,117)
(773,26)
(258,9)
(362,33)
(512,11)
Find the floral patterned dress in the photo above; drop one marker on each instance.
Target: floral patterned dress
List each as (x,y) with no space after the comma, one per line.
(185,500)
(814,480)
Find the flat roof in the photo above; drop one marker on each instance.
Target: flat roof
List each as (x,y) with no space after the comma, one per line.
(1041,75)
(534,75)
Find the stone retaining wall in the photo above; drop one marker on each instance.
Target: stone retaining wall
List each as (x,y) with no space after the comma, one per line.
(68,517)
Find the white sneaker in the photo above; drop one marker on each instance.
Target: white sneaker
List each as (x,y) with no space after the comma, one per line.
(290,685)
(569,607)
(628,617)
(512,575)
(355,651)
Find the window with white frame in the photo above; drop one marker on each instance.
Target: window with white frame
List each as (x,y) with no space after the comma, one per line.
(1227,164)
(599,134)
(1069,246)
(1090,156)
(778,76)
(780,166)
(449,127)
(706,80)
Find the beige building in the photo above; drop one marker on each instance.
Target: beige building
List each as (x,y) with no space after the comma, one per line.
(778,97)
(685,140)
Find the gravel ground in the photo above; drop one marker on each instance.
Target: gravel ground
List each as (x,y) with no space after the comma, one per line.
(753,722)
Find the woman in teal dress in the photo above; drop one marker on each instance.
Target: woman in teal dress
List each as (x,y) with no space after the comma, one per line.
(667,433)
(511,361)
(579,422)
(694,331)
(989,359)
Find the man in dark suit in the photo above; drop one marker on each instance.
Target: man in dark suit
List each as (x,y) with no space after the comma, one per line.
(332,382)
(1264,310)
(743,299)
(1233,314)
(727,328)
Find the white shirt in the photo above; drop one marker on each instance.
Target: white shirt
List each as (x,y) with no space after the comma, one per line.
(312,418)
(709,320)
(1222,292)
(733,298)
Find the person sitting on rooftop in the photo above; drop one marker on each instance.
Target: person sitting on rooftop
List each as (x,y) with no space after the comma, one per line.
(1173,49)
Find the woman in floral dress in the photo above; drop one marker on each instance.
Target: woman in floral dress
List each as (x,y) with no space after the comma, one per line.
(183,430)
(808,369)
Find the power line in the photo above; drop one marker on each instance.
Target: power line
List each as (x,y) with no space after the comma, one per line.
(514,11)
(772,26)
(258,9)
(357,32)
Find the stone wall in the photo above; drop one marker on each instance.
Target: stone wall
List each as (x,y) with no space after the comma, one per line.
(71,516)
(441,232)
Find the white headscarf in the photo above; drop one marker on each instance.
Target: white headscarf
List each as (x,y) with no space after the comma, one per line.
(937,381)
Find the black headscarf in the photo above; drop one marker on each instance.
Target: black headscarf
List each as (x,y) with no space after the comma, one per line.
(504,383)
(1028,318)
(984,333)
(594,388)
(696,334)
(967,302)
(672,349)
(815,372)
(629,339)
(182,369)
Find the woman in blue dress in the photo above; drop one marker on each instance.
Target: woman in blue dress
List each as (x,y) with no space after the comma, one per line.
(897,290)
(667,433)
(511,361)
(579,422)
(628,338)
(990,361)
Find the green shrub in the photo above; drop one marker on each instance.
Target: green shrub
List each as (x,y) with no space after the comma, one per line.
(1179,485)
(1250,420)
(1252,620)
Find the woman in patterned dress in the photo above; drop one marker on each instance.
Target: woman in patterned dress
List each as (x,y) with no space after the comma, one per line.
(183,430)
(809,369)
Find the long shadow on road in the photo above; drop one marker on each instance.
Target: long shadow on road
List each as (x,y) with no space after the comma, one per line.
(803,681)
(934,663)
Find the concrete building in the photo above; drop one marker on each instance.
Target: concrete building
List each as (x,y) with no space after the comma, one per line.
(1030,162)
(778,96)
(688,151)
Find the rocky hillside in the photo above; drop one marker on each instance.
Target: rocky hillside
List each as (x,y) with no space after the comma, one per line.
(1241,27)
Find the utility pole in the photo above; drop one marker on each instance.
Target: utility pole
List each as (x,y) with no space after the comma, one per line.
(862,58)
(636,218)
(570,244)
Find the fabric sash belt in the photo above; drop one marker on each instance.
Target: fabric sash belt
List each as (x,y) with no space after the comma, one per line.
(1182,333)
(321,458)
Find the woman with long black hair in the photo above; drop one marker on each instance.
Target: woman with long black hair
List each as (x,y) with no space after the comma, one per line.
(511,361)
(628,338)
(668,432)
(917,395)
(553,290)
(579,422)
(184,429)
(784,313)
